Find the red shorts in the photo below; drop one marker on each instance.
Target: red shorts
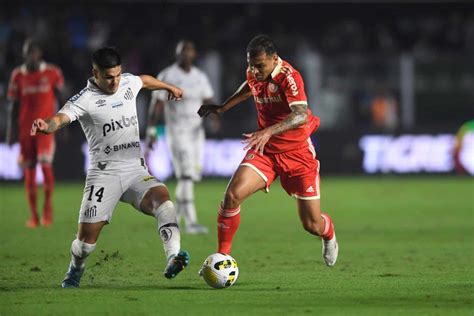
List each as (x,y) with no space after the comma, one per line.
(37,148)
(298,170)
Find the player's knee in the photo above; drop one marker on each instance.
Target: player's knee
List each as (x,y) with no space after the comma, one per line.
(232,199)
(313,227)
(153,199)
(26,164)
(81,249)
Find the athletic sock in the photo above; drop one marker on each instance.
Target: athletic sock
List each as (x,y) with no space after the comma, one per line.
(79,252)
(168,228)
(30,186)
(185,200)
(48,191)
(228,222)
(328,232)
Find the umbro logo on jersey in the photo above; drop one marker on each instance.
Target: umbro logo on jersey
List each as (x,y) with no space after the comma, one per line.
(100,102)
(128,94)
(310,189)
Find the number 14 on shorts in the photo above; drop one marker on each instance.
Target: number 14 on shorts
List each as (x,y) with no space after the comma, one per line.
(99,194)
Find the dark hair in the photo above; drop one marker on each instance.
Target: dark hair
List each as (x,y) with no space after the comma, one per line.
(261,43)
(106,57)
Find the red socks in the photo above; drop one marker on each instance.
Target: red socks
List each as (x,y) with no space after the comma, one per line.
(48,187)
(328,232)
(227,224)
(30,186)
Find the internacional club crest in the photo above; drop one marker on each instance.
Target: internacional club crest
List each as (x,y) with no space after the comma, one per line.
(272,87)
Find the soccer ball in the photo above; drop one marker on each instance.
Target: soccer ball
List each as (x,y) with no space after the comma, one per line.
(220,271)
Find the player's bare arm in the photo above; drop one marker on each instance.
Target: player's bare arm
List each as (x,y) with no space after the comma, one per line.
(242,93)
(151,83)
(50,125)
(297,117)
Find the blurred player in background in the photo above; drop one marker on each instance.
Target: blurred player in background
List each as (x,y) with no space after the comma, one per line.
(184,129)
(106,109)
(32,93)
(280,148)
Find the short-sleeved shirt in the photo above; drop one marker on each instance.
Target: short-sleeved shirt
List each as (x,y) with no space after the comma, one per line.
(34,91)
(196,87)
(273,99)
(109,121)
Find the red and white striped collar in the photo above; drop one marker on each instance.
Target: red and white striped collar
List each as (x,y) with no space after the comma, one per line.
(277,69)
(42,67)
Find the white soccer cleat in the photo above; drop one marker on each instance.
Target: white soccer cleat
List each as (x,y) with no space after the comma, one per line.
(330,251)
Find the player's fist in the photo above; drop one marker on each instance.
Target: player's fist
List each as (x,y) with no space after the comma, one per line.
(39,126)
(206,109)
(175,93)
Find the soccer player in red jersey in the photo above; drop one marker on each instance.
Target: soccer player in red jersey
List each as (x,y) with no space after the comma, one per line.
(31,94)
(280,148)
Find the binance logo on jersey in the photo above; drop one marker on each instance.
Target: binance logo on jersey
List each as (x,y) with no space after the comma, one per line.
(119,124)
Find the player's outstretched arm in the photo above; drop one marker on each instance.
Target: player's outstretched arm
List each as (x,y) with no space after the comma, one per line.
(151,83)
(242,93)
(50,125)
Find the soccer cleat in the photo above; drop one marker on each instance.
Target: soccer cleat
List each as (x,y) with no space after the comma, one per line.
(195,229)
(32,223)
(46,222)
(176,264)
(73,277)
(330,251)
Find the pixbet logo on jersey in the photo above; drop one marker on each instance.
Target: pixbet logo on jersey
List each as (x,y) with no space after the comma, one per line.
(119,124)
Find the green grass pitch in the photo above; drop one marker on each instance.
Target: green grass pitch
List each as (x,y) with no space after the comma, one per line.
(406,247)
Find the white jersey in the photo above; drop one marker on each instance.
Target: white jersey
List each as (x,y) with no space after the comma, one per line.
(196,87)
(109,121)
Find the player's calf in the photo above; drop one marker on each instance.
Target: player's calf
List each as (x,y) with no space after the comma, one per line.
(330,246)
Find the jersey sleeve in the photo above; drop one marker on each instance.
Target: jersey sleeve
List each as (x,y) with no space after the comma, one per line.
(207,92)
(13,87)
(75,107)
(161,95)
(293,87)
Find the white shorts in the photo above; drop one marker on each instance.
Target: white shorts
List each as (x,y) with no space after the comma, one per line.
(104,189)
(187,149)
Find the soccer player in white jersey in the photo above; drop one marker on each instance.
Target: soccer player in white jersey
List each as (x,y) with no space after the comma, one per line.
(184,129)
(106,109)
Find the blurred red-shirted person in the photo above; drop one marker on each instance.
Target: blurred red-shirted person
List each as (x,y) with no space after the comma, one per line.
(280,148)
(31,94)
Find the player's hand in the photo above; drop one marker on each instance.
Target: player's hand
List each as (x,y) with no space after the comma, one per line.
(150,141)
(39,126)
(257,140)
(175,93)
(207,109)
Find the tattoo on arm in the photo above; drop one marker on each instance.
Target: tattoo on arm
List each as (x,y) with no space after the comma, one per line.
(53,126)
(297,117)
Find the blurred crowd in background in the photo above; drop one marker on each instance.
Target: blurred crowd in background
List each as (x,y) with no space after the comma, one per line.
(384,68)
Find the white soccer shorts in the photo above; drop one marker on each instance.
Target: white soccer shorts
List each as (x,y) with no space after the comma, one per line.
(105,188)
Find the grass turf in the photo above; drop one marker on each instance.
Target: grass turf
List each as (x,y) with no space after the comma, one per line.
(406,247)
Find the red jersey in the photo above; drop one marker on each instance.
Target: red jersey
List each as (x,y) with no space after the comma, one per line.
(34,91)
(273,99)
